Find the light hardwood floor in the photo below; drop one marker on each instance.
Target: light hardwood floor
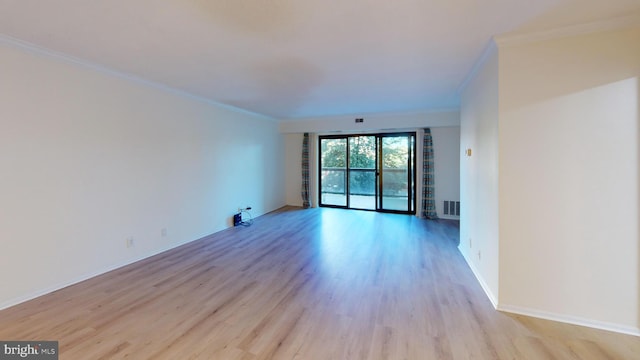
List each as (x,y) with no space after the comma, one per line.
(302,284)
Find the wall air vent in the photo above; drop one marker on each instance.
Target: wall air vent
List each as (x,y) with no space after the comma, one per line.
(451,208)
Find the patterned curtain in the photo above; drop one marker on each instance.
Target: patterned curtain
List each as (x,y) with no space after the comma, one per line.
(306,203)
(428,191)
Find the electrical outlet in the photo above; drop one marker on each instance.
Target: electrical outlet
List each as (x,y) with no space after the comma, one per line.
(129,242)
(163,232)
(470,243)
(479,255)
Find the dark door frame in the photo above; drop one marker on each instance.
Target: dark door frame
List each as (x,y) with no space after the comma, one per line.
(411,173)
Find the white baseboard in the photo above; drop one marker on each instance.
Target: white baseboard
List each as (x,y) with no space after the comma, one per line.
(623,329)
(483,283)
(568,319)
(30,296)
(449,217)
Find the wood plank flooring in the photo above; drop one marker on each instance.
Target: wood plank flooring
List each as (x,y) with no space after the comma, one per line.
(302,284)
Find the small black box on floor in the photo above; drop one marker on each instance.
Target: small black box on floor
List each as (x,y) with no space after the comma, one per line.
(237,219)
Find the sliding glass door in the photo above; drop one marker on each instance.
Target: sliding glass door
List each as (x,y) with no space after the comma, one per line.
(333,174)
(397,172)
(362,172)
(369,172)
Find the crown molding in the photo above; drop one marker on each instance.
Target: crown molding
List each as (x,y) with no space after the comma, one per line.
(512,39)
(489,49)
(42,51)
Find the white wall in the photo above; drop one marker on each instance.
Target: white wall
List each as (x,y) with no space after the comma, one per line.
(446,153)
(569,179)
(372,122)
(88,159)
(479,240)
(446,141)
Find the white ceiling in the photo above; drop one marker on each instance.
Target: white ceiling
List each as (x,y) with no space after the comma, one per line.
(294,58)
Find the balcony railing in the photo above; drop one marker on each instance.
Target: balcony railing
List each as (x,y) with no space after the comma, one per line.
(363,181)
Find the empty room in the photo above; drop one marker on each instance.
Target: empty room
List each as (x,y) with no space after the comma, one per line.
(217,179)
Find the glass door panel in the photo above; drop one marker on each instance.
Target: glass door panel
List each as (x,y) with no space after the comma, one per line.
(362,172)
(333,176)
(396,171)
